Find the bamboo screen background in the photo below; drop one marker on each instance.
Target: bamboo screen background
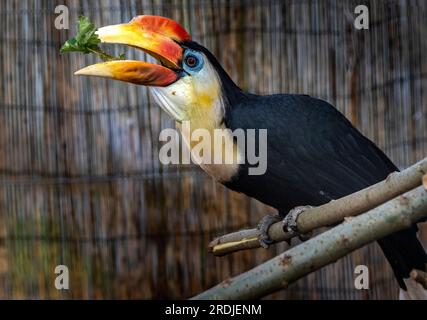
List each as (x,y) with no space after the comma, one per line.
(80,180)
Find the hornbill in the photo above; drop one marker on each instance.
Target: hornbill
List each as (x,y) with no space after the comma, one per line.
(315,154)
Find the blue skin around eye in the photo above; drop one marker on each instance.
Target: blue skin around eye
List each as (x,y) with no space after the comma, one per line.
(199,64)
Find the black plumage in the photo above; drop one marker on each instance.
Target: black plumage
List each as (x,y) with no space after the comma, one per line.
(314,155)
(313,151)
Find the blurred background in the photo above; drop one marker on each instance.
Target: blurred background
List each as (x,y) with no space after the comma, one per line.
(80,179)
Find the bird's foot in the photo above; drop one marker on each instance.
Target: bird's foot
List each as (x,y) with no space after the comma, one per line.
(263,226)
(289,225)
(290,222)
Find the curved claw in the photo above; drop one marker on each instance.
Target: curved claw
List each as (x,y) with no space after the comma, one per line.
(263,226)
(290,221)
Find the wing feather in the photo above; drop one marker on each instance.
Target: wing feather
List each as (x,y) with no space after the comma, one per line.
(314,153)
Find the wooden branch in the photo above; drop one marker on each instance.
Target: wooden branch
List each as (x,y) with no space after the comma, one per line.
(425,181)
(279,272)
(330,213)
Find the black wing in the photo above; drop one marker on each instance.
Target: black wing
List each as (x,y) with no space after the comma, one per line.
(314,153)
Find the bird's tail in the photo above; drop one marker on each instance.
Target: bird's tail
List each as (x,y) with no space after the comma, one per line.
(404,252)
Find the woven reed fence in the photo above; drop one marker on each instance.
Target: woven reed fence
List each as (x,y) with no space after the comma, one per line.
(80,180)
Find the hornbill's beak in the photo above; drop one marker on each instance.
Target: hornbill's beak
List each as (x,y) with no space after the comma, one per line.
(158,36)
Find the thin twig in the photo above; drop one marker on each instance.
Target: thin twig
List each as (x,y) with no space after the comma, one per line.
(330,213)
(324,249)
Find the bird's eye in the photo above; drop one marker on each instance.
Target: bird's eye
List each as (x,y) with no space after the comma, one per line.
(191,61)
